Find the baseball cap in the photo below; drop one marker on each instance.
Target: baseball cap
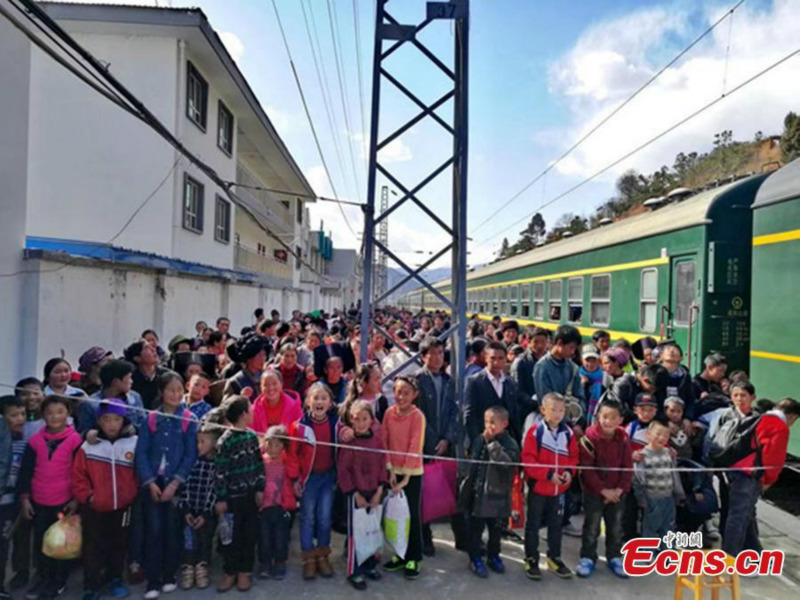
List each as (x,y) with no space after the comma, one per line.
(645,400)
(589,351)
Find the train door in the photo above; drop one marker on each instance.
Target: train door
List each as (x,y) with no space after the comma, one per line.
(684,308)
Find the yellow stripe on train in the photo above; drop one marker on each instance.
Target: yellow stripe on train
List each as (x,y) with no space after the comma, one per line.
(775,356)
(776,238)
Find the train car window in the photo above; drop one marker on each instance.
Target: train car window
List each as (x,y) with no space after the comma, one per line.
(648,300)
(554,300)
(538,300)
(504,301)
(525,297)
(600,310)
(514,308)
(575,299)
(684,292)
(495,300)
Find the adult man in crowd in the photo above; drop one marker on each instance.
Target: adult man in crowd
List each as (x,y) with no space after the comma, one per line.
(147,372)
(523,365)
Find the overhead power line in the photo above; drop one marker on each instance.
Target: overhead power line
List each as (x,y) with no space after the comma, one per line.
(610,116)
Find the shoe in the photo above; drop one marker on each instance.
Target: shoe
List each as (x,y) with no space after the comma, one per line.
(152,594)
(557,566)
(585,567)
(532,570)
(136,574)
(324,566)
(226,583)
(36,591)
(615,565)
(428,549)
(572,530)
(495,563)
(187,577)
(54,590)
(201,579)
(244,581)
(357,581)
(395,564)
(373,575)
(118,589)
(279,571)
(478,567)
(4,595)
(19,580)
(412,570)
(88,595)
(169,587)
(309,565)
(264,573)
(710,531)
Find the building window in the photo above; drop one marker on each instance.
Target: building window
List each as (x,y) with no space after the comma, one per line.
(225,129)
(538,300)
(575,299)
(192,205)
(601,300)
(298,259)
(514,300)
(299,211)
(525,298)
(222,221)
(554,300)
(648,300)
(196,97)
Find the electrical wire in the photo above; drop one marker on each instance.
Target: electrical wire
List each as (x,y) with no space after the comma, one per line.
(357,31)
(606,119)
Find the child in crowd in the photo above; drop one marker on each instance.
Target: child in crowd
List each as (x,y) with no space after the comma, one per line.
(680,441)
(367,387)
(240,491)
(45,489)
(314,473)
(362,477)
(656,485)
(13,411)
(403,431)
(486,492)
(551,442)
(31,391)
(645,408)
(104,482)
(195,398)
(592,377)
(165,453)
(604,449)
(275,519)
(116,380)
(197,500)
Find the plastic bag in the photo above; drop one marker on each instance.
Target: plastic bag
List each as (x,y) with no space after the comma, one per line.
(397,522)
(439,490)
(517,518)
(367,532)
(63,539)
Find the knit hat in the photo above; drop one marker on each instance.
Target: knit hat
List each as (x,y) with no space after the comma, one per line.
(645,400)
(589,351)
(247,346)
(91,357)
(112,406)
(674,400)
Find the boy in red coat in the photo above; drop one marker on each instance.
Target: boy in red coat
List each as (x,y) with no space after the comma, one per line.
(104,482)
(551,450)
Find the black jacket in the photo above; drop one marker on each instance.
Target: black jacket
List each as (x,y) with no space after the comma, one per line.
(442,420)
(480,395)
(486,491)
(522,372)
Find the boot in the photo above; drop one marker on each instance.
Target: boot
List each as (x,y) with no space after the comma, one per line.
(187,577)
(324,566)
(244,582)
(310,565)
(201,576)
(226,583)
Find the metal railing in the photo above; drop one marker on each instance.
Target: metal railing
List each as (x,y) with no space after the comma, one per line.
(249,259)
(276,210)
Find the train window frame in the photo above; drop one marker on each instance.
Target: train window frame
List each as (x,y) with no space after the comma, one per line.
(649,301)
(525,300)
(575,303)
(538,300)
(495,301)
(513,300)
(596,300)
(552,303)
(692,287)
(504,301)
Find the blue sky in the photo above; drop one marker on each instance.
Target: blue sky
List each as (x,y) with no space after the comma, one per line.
(542,72)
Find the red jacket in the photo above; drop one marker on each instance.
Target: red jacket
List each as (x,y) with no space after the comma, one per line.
(288,499)
(105,472)
(596,450)
(303,446)
(543,447)
(360,471)
(772,436)
(291,411)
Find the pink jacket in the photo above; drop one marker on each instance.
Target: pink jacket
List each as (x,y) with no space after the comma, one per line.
(292,412)
(51,484)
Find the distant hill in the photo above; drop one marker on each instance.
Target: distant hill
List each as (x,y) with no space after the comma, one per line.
(432,275)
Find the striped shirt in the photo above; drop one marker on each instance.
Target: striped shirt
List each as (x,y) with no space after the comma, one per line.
(18,444)
(654,477)
(240,468)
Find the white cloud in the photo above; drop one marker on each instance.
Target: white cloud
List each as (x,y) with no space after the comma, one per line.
(614,58)
(233,45)
(331,214)
(395,152)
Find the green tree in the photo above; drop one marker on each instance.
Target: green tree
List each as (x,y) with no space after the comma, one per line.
(790,140)
(504,249)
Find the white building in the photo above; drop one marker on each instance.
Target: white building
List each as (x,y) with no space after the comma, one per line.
(77,268)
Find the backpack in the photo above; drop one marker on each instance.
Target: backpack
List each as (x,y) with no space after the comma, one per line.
(733,441)
(152,421)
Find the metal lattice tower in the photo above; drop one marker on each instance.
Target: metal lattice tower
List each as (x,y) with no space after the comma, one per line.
(381,260)
(390,32)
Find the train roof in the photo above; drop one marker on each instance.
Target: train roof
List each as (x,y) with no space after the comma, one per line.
(783,184)
(695,210)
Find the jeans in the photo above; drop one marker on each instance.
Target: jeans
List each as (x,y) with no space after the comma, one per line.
(273,525)
(659,517)
(162,525)
(741,527)
(136,531)
(544,510)
(202,540)
(50,571)
(8,514)
(240,555)
(475,527)
(631,517)
(596,510)
(105,541)
(316,508)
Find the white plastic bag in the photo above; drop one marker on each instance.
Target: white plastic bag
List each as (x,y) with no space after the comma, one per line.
(367,532)
(397,522)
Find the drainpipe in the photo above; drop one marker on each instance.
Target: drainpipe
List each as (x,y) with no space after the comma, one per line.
(180,102)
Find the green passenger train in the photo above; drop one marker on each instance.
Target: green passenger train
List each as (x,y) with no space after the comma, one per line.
(688,269)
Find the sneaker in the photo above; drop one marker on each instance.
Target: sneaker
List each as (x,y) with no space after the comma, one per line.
(615,565)
(710,531)
(395,564)
(136,574)
(87,595)
(478,567)
(532,570)
(152,594)
(279,571)
(428,549)
(412,569)
(201,579)
(118,589)
(572,530)
(187,577)
(19,580)
(557,566)
(373,575)
(264,573)
(495,563)
(585,567)
(170,587)
(357,581)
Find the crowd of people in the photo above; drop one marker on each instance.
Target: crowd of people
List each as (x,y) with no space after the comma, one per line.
(224,443)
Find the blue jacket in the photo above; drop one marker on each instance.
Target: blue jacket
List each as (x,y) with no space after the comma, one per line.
(553,375)
(86,417)
(174,440)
